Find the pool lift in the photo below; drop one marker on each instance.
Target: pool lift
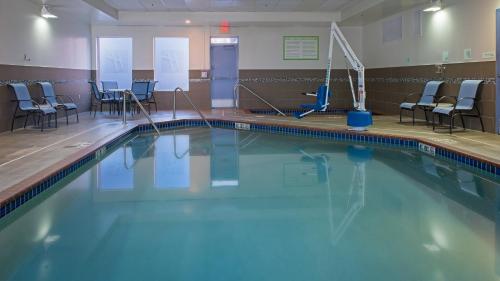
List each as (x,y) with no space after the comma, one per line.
(358,119)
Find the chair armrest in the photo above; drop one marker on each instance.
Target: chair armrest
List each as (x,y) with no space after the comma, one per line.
(445,97)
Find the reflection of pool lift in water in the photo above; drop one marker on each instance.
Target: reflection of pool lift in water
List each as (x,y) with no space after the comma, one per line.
(359,155)
(359,119)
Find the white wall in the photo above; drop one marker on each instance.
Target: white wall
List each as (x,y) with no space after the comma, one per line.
(49,43)
(462,24)
(260,46)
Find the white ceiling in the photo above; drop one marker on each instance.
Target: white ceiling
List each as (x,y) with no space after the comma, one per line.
(232,5)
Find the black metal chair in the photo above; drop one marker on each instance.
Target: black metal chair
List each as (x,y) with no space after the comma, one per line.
(465,105)
(24,103)
(141,91)
(99,98)
(58,101)
(151,95)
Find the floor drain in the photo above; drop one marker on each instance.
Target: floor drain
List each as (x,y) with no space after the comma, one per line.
(78,145)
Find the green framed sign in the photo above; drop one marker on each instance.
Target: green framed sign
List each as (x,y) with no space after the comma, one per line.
(300,47)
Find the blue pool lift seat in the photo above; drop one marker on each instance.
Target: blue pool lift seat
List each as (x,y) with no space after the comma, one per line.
(465,105)
(321,101)
(24,103)
(58,101)
(426,101)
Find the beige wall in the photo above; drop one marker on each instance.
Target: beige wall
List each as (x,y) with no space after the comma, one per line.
(462,24)
(58,43)
(260,46)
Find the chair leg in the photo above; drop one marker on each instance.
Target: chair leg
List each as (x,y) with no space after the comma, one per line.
(66,113)
(433,123)
(26,119)
(401,116)
(41,115)
(77,118)
(55,118)
(413,116)
(452,118)
(481,121)
(13,120)
(463,121)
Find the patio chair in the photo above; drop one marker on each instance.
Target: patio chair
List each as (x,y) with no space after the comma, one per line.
(465,105)
(426,101)
(58,101)
(98,98)
(141,91)
(24,103)
(151,95)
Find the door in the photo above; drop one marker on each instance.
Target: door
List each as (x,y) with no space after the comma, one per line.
(224,70)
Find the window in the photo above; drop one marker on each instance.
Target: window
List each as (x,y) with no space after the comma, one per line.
(115,61)
(172,63)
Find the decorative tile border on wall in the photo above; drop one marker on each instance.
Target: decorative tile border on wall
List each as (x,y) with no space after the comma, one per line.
(18,200)
(33,82)
(422,80)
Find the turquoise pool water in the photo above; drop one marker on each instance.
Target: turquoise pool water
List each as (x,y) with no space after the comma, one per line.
(200,204)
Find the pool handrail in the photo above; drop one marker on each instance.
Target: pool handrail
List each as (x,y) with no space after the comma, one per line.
(179,89)
(131,94)
(236,98)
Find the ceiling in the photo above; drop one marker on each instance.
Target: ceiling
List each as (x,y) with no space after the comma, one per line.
(351,12)
(232,5)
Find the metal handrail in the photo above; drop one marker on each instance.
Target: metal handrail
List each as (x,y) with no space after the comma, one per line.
(130,93)
(179,89)
(236,98)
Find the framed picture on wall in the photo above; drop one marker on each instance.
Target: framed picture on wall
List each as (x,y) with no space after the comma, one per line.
(300,47)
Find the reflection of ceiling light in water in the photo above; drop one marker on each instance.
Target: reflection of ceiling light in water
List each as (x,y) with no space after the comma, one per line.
(46,14)
(435,6)
(216,183)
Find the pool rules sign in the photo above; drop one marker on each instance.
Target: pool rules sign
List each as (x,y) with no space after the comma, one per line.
(301,47)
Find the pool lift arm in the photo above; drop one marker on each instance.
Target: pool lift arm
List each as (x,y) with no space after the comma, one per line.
(358,119)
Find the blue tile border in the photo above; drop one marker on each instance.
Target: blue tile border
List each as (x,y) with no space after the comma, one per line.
(336,135)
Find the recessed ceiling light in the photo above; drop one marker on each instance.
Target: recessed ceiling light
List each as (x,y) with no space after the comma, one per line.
(435,6)
(46,14)
(187,21)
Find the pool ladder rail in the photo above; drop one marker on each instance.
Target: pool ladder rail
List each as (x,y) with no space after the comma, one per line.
(179,89)
(131,94)
(236,98)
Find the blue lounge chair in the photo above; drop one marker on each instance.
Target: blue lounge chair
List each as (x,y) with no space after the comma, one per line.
(320,105)
(464,105)
(98,98)
(58,101)
(24,103)
(426,102)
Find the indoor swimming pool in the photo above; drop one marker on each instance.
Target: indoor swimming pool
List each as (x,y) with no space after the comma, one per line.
(219,204)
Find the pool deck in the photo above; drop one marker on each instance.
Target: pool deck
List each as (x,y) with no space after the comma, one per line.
(28,155)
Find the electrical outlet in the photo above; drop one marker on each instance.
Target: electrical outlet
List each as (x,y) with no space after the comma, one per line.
(467,54)
(204,74)
(445,56)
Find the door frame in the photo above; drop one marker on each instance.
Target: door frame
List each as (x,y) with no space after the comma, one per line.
(212,44)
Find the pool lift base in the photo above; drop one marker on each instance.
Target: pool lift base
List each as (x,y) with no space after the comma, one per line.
(359,120)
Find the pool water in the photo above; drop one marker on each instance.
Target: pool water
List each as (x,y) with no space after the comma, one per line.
(200,204)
